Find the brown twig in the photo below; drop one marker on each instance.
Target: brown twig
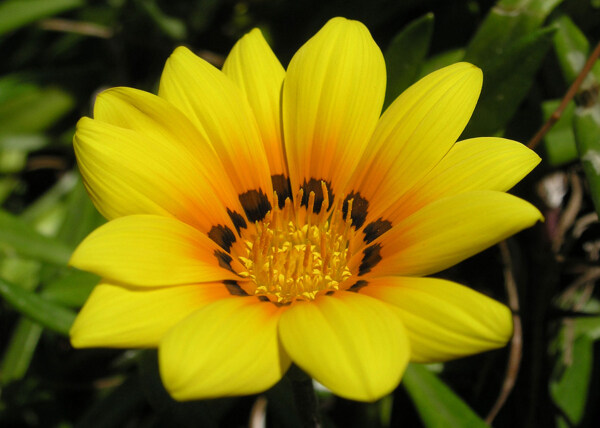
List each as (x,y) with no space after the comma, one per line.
(583,223)
(258,414)
(212,57)
(566,99)
(516,345)
(592,274)
(46,162)
(569,215)
(77,27)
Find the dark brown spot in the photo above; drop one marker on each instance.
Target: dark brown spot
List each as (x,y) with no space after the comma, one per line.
(263,298)
(371,256)
(330,293)
(237,219)
(256,204)
(223,236)
(375,229)
(314,185)
(234,288)
(224,260)
(588,97)
(358,285)
(360,206)
(281,185)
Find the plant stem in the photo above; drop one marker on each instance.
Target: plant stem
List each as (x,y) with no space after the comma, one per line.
(566,99)
(305,398)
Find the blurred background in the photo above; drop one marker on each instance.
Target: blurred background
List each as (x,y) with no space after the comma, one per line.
(57,54)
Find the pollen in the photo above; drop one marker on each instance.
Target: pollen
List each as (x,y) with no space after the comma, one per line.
(296,254)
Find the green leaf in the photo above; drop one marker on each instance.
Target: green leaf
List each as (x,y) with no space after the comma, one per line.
(437,404)
(442,60)
(589,325)
(39,209)
(71,289)
(81,216)
(33,110)
(14,150)
(587,136)
(559,142)
(7,185)
(17,13)
(171,27)
(572,49)
(23,142)
(507,80)
(48,314)
(18,236)
(506,23)
(570,390)
(19,351)
(405,54)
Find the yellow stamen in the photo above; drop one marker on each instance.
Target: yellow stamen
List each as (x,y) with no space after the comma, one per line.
(295,254)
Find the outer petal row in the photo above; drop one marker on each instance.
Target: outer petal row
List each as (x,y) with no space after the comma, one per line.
(354,345)
(414,133)
(332,98)
(145,250)
(217,106)
(357,346)
(227,348)
(484,163)
(253,66)
(140,155)
(444,233)
(444,320)
(121,317)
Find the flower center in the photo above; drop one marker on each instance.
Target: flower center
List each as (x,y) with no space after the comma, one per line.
(296,254)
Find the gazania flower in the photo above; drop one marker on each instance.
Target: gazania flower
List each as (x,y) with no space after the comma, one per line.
(260,217)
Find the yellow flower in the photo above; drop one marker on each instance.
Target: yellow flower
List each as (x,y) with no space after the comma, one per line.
(260,217)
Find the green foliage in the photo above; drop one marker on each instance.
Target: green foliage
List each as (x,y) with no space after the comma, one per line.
(16,236)
(437,404)
(58,53)
(574,366)
(509,47)
(560,140)
(572,49)
(50,315)
(405,54)
(17,13)
(587,138)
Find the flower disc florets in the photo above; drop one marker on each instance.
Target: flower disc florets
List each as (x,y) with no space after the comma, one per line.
(295,253)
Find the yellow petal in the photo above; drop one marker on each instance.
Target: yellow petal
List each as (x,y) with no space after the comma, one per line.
(446,232)
(214,103)
(477,164)
(120,317)
(127,172)
(227,348)
(154,117)
(443,319)
(332,98)
(414,133)
(145,250)
(253,66)
(353,344)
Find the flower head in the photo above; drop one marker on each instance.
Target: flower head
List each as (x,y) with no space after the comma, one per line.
(259,217)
